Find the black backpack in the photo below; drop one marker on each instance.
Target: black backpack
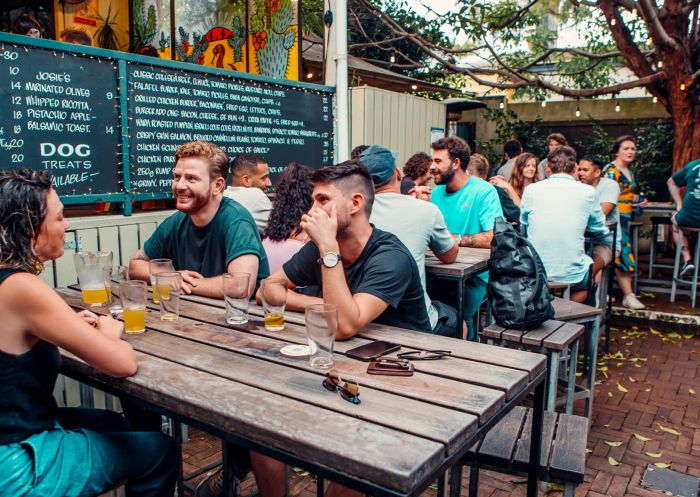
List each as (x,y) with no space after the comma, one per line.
(518,291)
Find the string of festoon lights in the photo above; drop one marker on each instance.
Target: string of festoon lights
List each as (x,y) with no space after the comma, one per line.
(124,105)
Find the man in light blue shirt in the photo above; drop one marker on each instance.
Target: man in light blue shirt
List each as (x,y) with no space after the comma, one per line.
(556,213)
(470,206)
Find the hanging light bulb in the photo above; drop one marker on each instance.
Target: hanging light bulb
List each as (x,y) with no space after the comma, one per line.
(660,64)
(617,106)
(544,103)
(655,100)
(414,87)
(502,105)
(392,59)
(682,86)
(634,12)
(310,75)
(578,111)
(613,22)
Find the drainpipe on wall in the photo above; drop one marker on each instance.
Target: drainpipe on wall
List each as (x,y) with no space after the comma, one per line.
(338,76)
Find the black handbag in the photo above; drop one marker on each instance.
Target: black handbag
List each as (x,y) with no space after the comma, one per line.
(517,289)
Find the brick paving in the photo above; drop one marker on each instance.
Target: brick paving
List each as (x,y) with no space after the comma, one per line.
(653,381)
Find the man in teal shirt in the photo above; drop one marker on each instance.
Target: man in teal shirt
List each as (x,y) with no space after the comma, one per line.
(470,206)
(687,209)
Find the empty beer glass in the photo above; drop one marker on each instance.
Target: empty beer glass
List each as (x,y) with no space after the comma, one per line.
(236,297)
(113,277)
(89,266)
(158,266)
(169,285)
(321,325)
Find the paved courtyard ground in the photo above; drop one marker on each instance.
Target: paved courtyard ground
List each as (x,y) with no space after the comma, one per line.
(648,388)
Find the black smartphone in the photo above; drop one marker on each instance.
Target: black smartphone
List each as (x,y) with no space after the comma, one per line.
(372,350)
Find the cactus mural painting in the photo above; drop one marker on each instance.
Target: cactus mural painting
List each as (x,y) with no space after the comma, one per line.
(273,36)
(151,25)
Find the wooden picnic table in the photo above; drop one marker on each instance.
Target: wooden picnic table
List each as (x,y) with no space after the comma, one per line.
(233,382)
(470,262)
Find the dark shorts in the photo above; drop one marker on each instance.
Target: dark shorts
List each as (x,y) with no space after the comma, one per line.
(448,321)
(581,285)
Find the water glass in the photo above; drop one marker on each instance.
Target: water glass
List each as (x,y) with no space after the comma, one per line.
(113,276)
(169,287)
(89,266)
(273,293)
(158,266)
(133,297)
(321,325)
(236,297)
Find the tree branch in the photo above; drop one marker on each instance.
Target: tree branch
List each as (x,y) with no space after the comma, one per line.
(649,13)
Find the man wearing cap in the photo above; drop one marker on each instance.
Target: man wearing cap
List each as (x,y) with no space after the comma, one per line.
(426,229)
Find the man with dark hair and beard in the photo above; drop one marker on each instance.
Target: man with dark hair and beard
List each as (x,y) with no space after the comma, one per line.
(368,274)
(470,206)
(210,235)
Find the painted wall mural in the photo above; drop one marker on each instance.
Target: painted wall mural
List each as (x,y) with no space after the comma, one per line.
(256,36)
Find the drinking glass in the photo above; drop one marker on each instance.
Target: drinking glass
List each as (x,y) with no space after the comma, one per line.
(133,296)
(273,293)
(236,297)
(321,325)
(169,286)
(113,276)
(158,266)
(89,266)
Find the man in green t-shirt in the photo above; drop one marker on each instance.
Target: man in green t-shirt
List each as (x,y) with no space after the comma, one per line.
(210,235)
(688,209)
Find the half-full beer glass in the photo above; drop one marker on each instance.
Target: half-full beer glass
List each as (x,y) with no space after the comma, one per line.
(273,293)
(90,269)
(158,266)
(133,295)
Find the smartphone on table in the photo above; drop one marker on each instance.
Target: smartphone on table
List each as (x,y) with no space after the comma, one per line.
(372,350)
(390,367)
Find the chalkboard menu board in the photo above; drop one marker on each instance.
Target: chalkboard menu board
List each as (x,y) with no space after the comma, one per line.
(169,107)
(60,112)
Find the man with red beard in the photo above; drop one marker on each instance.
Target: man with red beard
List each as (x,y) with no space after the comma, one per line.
(210,235)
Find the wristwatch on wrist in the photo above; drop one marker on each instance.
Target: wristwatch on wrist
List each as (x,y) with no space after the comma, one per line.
(458,240)
(330,259)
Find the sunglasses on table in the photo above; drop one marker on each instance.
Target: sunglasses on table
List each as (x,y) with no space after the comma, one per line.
(348,389)
(424,355)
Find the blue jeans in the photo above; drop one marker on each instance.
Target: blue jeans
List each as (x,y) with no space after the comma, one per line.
(474,295)
(88,452)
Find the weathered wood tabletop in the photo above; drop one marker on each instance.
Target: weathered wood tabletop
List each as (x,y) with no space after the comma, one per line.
(469,261)
(234,382)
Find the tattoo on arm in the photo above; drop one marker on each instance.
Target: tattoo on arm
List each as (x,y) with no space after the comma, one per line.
(469,240)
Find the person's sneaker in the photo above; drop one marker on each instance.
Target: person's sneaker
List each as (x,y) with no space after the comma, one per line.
(632,302)
(213,485)
(687,268)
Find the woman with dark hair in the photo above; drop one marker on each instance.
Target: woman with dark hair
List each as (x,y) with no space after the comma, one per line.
(524,174)
(46,451)
(283,236)
(26,25)
(624,151)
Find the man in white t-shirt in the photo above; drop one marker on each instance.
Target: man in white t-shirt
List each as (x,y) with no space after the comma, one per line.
(607,193)
(419,225)
(250,179)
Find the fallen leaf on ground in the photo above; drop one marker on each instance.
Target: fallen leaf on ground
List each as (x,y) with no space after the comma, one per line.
(637,365)
(622,389)
(632,380)
(619,364)
(613,462)
(688,337)
(662,465)
(669,430)
(588,451)
(613,444)
(674,336)
(609,394)
(434,486)
(695,351)
(599,382)
(642,437)
(691,391)
(647,389)
(655,455)
(654,332)
(579,374)
(554,487)
(519,481)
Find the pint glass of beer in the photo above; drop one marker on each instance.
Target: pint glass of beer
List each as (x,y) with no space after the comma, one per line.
(133,295)
(90,269)
(169,286)
(273,293)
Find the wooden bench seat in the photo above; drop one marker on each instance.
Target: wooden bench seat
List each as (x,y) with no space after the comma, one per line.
(506,448)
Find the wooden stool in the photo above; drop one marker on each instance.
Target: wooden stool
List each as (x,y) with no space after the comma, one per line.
(551,338)
(677,263)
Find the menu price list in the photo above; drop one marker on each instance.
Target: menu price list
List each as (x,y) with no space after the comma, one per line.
(60,113)
(168,108)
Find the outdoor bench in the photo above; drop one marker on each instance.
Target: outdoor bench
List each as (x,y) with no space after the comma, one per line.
(506,449)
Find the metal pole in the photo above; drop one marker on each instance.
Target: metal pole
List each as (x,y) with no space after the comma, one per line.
(341,87)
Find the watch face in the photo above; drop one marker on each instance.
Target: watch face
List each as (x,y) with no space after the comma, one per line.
(330,259)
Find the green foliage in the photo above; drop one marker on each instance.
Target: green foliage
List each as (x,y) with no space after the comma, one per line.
(144,24)
(509,127)
(312,17)
(654,157)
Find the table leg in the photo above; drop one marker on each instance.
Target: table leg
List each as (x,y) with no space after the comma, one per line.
(320,487)
(441,486)
(592,358)
(553,379)
(535,441)
(456,480)
(460,305)
(180,484)
(573,359)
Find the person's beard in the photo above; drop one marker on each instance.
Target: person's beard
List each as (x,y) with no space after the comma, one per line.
(194,205)
(444,178)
